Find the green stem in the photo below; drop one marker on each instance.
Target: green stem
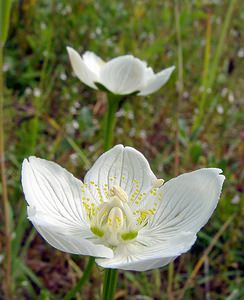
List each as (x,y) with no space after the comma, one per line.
(113,101)
(170,280)
(109,284)
(82,280)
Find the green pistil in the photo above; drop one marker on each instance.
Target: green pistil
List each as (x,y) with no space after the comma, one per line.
(97,231)
(129,235)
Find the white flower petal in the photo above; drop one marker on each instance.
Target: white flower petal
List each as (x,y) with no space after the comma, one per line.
(81,69)
(57,223)
(93,62)
(188,202)
(156,81)
(123,75)
(136,257)
(56,235)
(53,190)
(149,74)
(123,166)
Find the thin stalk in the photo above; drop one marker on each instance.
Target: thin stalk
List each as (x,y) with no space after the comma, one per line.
(205,77)
(5,8)
(113,101)
(145,283)
(43,86)
(215,64)
(179,47)
(220,46)
(8,292)
(82,280)
(207,52)
(109,284)
(180,88)
(170,281)
(34,126)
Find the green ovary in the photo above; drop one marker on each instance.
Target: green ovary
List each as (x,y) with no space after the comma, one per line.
(129,235)
(97,231)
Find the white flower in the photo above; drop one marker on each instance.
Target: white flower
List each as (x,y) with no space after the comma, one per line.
(121,214)
(122,75)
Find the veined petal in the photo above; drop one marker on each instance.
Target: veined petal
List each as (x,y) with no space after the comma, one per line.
(156,81)
(137,257)
(82,69)
(123,166)
(123,75)
(188,201)
(53,190)
(71,241)
(57,223)
(93,62)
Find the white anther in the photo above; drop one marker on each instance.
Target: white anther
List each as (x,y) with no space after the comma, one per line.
(158,183)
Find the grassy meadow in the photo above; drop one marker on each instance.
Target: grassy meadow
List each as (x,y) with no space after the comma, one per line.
(194,121)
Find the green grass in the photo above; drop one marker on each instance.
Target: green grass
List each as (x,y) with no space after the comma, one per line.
(194,121)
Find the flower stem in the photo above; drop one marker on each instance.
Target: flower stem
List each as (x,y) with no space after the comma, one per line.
(109,284)
(82,280)
(113,101)
(4,188)
(110,276)
(170,281)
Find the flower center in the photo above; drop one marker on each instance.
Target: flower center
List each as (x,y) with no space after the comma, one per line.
(114,221)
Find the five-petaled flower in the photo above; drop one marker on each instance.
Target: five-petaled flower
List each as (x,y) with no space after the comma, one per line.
(122,214)
(122,75)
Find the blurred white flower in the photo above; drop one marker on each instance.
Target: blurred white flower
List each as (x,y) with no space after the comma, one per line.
(220,109)
(122,75)
(37,92)
(74,158)
(122,214)
(75,124)
(63,76)
(235,199)
(43,25)
(240,53)
(28,91)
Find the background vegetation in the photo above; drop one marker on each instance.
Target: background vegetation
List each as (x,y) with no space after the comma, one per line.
(192,122)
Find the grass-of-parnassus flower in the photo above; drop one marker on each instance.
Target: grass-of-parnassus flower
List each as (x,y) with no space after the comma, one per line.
(122,75)
(121,214)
